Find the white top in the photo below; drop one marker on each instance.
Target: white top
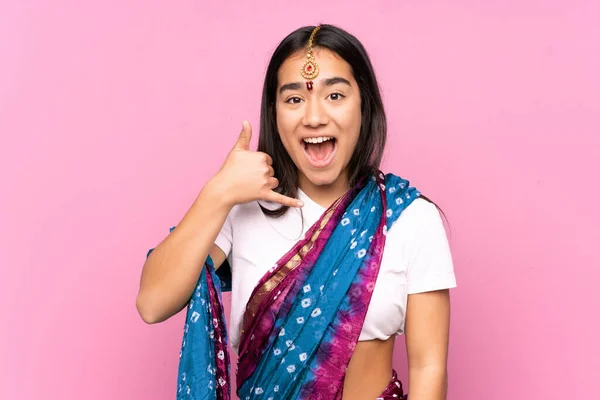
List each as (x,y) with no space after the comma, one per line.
(416,258)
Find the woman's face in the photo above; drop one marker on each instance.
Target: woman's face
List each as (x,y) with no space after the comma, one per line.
(319,128)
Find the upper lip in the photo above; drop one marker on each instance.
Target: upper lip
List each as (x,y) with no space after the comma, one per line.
(317,136)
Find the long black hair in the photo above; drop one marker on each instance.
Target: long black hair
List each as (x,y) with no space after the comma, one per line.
(369,149)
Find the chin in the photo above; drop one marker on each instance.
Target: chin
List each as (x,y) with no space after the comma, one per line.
(322,178)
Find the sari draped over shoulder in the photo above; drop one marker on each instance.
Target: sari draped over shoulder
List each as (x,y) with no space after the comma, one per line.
(305,315)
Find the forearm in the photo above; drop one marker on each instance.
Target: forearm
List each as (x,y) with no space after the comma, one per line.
(171,272)
(427,383)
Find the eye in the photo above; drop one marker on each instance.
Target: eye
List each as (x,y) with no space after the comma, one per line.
(294,100)
(336,96)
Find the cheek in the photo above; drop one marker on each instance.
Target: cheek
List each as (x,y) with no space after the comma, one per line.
(286,125)
(352,122)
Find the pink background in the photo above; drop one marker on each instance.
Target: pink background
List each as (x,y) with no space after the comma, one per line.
(113,114)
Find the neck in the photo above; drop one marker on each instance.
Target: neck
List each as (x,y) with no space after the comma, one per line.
(324,195)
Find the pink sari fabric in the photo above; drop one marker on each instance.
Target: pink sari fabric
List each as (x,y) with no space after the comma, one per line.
(394,390)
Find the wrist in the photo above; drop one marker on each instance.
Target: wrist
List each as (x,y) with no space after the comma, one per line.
(218,192)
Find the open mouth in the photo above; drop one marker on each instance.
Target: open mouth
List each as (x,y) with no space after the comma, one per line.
(320,151)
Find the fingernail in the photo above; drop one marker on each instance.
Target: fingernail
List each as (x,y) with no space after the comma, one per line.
(300,203)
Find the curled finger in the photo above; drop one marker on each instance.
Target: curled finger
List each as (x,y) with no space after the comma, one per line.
(273,182)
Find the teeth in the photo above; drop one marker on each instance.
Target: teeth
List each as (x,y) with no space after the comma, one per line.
(320,139)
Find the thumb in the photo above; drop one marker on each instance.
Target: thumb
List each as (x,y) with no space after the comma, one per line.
(243,142)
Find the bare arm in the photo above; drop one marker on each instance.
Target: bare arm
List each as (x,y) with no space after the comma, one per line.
(172,270)
(427,331)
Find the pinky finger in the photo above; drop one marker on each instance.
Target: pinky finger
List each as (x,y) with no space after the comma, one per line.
(286,201)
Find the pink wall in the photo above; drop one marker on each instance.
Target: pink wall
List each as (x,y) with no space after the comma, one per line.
(113,114)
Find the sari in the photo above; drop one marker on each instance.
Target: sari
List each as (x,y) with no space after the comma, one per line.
(305,315)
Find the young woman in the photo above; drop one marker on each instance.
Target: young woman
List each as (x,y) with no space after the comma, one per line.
(330,258)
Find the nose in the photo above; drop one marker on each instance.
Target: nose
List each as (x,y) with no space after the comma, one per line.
(315,114)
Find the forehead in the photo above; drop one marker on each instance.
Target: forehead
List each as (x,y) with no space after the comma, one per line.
(330,64)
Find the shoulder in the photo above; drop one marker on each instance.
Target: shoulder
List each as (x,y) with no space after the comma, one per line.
(420,211)
(419,219)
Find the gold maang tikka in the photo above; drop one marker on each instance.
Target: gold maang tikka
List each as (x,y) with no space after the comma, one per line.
(310,69)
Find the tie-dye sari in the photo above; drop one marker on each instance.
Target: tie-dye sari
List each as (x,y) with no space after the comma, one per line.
(305,315)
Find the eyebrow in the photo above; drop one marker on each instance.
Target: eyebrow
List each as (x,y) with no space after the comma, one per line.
(326,82)
(335,80)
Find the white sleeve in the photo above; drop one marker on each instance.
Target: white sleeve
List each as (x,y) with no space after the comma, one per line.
(430,265)
(225,238)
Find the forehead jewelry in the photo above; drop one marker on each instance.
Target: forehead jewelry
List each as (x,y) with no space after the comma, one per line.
(310,69)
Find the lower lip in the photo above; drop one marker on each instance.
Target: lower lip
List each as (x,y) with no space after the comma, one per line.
(321,163)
